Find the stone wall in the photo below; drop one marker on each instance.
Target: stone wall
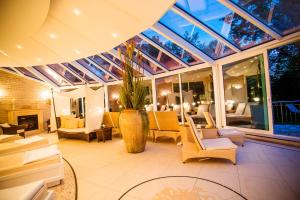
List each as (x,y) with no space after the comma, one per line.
(17,92)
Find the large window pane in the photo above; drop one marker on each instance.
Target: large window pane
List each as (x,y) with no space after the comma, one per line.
(171,47)
(198,94)
(198,38)
(224,21)
(167,94)
(284,65)
(26,72)
(245,94)
(281,15)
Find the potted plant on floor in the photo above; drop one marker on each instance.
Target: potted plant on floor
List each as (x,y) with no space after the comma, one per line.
(133,120)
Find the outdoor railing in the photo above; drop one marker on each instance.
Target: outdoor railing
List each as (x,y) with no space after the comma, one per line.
(286,112)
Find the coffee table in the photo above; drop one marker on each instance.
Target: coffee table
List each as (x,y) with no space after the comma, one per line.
(104,134)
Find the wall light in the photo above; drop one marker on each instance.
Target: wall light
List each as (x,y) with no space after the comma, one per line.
(76,11)
(237,86)
(256,99)
(19,46)
(2,93)
(45,95)
(115,96)
(165,93)
(115,35)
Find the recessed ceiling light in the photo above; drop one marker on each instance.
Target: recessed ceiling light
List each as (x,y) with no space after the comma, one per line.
(19,46)
(77,52)
(3,53)
(39,59)
(115,35)
(76,11)
(52,35)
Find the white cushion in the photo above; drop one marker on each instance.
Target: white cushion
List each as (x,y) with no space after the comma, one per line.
(5,125)
(240,109)
(40,154)
(22,192)
(74,130)
(218,144)
(230,131)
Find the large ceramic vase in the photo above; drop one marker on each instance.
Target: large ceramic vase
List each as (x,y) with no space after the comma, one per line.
(134,127)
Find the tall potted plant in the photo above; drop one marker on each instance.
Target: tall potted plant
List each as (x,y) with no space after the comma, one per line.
(133,120)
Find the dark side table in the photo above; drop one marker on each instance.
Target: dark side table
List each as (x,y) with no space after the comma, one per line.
(104,134)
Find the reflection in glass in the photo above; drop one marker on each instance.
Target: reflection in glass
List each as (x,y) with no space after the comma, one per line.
(80,73)
(198,94)
(245,94)
(95,70)
(114,94)
(53,76)
(194,35)
(66,74)
(224,21)
(284,68)
(167,94)
(171,47)
(281,15)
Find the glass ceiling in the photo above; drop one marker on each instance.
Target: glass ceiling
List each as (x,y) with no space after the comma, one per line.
(225,22)
(283,16)
(194,35)
(171,47)
(162,52)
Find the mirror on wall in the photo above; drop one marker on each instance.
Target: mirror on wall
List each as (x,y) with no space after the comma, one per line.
(78,107)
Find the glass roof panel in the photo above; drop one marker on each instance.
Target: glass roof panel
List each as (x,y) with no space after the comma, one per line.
(53,76)
(163,59)
(66,74)
(171,47)
(9,69)
(225,22)
(80,73)
(26,72)
(282,16)
(145,64)
(106,65)
(194,35)
(95,70)
(116,61)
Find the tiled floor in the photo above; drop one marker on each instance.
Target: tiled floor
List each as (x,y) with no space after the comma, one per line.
(106,171)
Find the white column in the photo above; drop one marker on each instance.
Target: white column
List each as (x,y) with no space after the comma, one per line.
(154,100)
(181,103)
(106,98)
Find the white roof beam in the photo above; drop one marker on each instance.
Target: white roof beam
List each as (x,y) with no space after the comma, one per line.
(163,50)
(146,73)
(43,77)
(181,42)
(87,72)
(250,18)
(205,28)
(73,73)
(102,69)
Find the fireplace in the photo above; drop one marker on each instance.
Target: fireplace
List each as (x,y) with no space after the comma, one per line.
(30,121)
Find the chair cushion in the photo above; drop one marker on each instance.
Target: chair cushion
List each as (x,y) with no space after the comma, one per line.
(63,119)
(80,123)
(71,123)
(5,125)
(167,121)
(230,132)
(218,144)
(152,122)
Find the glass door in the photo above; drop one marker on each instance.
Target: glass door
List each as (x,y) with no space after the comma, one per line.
(245,95)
